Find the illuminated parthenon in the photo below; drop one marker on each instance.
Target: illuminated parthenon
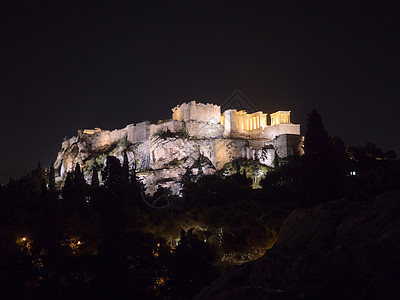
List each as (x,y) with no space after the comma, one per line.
(280,117)
(232,123)
(194,129)
(245,121)
(253,121)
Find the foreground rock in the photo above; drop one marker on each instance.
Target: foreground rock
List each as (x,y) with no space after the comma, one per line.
(337,250)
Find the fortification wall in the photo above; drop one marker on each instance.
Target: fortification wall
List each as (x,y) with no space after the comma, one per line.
(172,125)
(255,134)
(143,131)
(230,123)
(118,134)
(200,112)
(131,135)
(271,132)
(288,144)
(207,113)
(216,138)
(204,130)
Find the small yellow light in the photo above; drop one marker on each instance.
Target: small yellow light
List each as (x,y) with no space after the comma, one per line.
(24,239)
(79,242)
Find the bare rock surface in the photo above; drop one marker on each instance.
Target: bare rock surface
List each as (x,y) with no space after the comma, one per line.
(337,250)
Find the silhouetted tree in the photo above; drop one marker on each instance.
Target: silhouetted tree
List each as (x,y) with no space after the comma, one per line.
(112,249)
(390,154)
(79,185)
(79,180)
(316,142)
(315,160)
(125,167)
(338,165)
(44,187)
(95,178)
(135,188)
(75,188)
(276,160)
(193,266)
(52,179)
(369,156)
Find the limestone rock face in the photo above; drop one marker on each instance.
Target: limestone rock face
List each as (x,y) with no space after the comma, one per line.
(159,162)
(162,152)
(337,250)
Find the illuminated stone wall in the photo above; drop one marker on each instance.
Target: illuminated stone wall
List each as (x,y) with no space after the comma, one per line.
(241,121)
(203,130)
(200,112)
(280,117)
(229,120)
(172,125)
(143,131)
(131,135)
(220,138)
(271,132)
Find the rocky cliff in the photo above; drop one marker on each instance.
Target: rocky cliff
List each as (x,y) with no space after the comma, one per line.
(159,161)
(337,250)
(162,158)
(162,153)
(193,141)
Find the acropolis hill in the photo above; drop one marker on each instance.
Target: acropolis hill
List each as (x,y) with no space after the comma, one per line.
(197,136)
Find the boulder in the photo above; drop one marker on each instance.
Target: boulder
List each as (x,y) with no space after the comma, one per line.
(337,250)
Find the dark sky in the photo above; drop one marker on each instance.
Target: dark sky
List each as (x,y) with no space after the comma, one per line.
(68,65)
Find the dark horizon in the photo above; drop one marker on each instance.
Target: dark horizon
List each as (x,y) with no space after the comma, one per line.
(73,66)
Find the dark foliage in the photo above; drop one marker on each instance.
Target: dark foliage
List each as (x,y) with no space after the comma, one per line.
(101,241)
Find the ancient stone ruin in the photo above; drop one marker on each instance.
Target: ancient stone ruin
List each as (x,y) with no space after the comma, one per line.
(198,138)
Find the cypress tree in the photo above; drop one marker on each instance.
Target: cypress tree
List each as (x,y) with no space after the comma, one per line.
(316,144)
(125,166)
(95,178)
(315,161)
(52,180)
(112,250)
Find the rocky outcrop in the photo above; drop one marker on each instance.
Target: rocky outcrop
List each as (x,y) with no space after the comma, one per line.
(160,154)
(159,162)
(170,147)
(337,250)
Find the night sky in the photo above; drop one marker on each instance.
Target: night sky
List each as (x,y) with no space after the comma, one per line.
(67,66)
